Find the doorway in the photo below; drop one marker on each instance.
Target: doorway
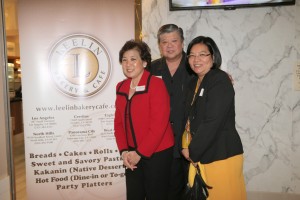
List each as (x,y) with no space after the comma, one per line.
(13,96)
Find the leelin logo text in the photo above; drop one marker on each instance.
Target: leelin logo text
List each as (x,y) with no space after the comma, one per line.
(80,65)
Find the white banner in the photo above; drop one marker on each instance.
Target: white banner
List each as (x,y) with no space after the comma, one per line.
(69,56)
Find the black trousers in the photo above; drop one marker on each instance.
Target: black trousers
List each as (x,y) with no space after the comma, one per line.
(150,180)
(178,178)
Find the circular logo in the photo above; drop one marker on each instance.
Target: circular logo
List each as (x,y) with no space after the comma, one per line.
(80,65)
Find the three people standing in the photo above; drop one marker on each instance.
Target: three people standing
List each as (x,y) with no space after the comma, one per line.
(151,111)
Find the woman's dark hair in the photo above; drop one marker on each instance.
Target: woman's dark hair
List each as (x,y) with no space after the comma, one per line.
(212,47)
(169,28)
(140,46)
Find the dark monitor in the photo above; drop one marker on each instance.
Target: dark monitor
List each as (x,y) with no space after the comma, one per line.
(224,4)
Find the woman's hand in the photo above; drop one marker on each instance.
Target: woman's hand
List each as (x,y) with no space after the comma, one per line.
(130,159)
(186,154)
(126,160)
(133,158)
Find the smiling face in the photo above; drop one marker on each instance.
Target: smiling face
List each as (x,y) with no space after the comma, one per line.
(200,59)
(133,65)
(171,45)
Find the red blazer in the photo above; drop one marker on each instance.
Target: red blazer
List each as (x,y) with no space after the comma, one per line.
(149,112)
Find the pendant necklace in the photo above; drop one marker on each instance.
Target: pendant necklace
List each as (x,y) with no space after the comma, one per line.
(131,87)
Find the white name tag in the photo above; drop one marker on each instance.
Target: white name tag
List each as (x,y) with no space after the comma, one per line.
(140,88)
(159,77)
(201,92)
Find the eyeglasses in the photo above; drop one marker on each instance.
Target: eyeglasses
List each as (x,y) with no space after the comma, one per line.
(200,55)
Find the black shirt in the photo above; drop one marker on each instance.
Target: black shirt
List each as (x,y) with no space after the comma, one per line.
(177,87)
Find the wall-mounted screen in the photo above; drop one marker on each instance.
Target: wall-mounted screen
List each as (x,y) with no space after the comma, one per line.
(224,4)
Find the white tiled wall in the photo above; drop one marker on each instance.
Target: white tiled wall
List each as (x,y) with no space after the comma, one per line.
(260,47)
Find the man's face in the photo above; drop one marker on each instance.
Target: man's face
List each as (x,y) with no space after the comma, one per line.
(171,45)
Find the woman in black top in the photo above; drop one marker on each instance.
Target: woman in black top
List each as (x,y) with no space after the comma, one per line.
(215,144)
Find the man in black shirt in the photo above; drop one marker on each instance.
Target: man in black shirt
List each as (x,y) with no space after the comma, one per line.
(171,67)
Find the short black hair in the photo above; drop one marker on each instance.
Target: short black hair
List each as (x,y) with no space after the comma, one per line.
(140,46)
(169,28)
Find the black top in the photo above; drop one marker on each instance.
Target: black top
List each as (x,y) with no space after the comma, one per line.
(212,119)
(177,87)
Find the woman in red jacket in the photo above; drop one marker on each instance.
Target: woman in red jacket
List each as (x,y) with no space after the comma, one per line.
(143,133)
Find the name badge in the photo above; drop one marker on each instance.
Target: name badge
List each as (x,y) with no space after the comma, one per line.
(201,92)
(159,77)
(140,88)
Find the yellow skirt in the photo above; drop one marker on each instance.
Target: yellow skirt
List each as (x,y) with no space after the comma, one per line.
(226,177)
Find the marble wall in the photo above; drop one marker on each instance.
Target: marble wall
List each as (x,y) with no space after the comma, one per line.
(260,48)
